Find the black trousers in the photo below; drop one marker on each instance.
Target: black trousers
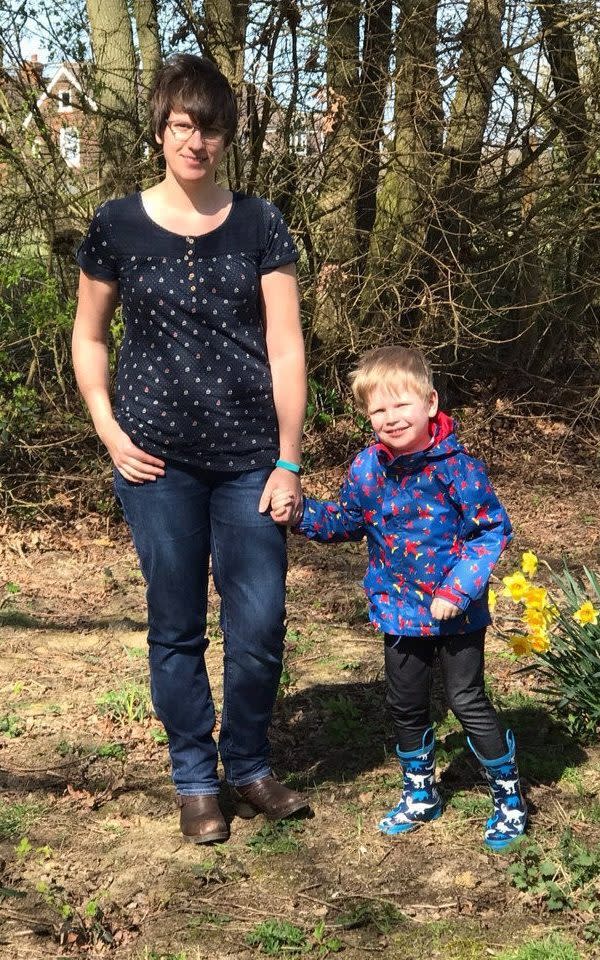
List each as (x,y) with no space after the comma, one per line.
(409,673)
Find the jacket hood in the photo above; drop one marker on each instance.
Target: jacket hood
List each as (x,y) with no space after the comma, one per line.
(444,443)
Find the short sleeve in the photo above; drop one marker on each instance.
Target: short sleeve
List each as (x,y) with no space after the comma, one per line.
(95,254)
(279,248)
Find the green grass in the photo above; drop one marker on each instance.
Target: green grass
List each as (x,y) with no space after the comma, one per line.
(137,653)
(380,915)
(572,777)
(112,751)
(129,704)
(344,722)
(471,803)
(286,682)
(159,735)
(553,947)
(563,878)
(153,955)
(278,938)
(591,812)
(447,724)
(16,818)
(11,725)
(454,746)
(277,838)
(449,942)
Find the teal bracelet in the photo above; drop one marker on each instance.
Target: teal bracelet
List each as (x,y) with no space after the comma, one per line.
(293,467)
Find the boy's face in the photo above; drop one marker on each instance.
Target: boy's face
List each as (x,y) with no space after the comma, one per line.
(401,419)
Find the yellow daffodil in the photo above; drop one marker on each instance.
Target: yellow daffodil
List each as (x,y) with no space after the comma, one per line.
(492,599)
(529,563)
(587,614)
(515,586)
(535,597)
(535,620)
(520,645)
(540,642)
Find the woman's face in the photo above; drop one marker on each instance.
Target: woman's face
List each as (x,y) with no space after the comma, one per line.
(191,154)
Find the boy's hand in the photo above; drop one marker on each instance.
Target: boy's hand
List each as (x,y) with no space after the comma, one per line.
(443,609)
(282,505)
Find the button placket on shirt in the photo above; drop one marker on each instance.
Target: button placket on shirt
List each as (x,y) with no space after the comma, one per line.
(190,262)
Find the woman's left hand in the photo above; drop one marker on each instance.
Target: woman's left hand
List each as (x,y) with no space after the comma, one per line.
(282,479)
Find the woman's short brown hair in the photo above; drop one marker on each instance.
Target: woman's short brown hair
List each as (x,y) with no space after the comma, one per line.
(193,85)
(393,368)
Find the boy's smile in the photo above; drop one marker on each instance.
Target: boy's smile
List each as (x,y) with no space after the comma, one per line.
(401,419)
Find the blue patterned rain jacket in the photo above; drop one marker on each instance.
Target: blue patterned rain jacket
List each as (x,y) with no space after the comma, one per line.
(434,527)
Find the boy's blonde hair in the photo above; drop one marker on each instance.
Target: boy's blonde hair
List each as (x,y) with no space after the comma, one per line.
(394,369)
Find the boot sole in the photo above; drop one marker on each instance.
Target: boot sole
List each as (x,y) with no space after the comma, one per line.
(409,827)
(215,837)
(496,846)
(246,811)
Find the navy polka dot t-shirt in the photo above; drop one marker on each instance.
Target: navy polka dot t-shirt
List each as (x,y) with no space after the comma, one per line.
(193,380)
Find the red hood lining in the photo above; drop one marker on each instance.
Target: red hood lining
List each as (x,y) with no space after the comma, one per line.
(440,427)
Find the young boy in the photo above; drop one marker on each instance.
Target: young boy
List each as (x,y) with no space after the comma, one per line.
(434,529)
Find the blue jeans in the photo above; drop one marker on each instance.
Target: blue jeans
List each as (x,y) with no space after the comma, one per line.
(177,523)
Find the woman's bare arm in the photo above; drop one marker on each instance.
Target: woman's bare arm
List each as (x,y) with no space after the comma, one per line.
(285,350)
(95,308)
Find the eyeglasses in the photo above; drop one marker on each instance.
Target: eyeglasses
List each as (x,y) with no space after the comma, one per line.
(184,131)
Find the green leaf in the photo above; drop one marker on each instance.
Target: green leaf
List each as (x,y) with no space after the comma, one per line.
(11,892)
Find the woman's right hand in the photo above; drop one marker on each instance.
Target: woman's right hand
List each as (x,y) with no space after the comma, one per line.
(132,463)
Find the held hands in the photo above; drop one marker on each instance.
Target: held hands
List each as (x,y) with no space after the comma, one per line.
(443,609)
(282,504)
(282,496)
(131,462)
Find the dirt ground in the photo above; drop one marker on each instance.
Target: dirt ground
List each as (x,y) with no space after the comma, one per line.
(91,862)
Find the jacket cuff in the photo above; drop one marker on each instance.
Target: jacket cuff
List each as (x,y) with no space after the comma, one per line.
(458,599)
(301,526)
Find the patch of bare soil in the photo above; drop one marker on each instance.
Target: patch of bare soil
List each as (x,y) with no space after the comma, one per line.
(90,856)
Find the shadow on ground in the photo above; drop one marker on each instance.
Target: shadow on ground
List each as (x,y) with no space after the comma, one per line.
(335,732)
(18,619)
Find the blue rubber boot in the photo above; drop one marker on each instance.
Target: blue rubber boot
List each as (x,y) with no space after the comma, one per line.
(509,818)
(420,801)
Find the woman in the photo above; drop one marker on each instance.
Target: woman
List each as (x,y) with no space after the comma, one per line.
(209,407)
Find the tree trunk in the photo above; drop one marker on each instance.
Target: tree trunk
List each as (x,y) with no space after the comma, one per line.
(404,200)
(478,70)
(335,231)
(573,123)
(146,21)
(569,105)
(374,81)
(115,74)
(226,25)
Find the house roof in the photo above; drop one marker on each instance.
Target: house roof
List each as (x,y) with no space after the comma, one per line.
(66,71)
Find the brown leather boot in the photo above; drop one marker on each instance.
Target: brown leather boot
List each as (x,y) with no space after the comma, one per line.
(201,819)
(269,797)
